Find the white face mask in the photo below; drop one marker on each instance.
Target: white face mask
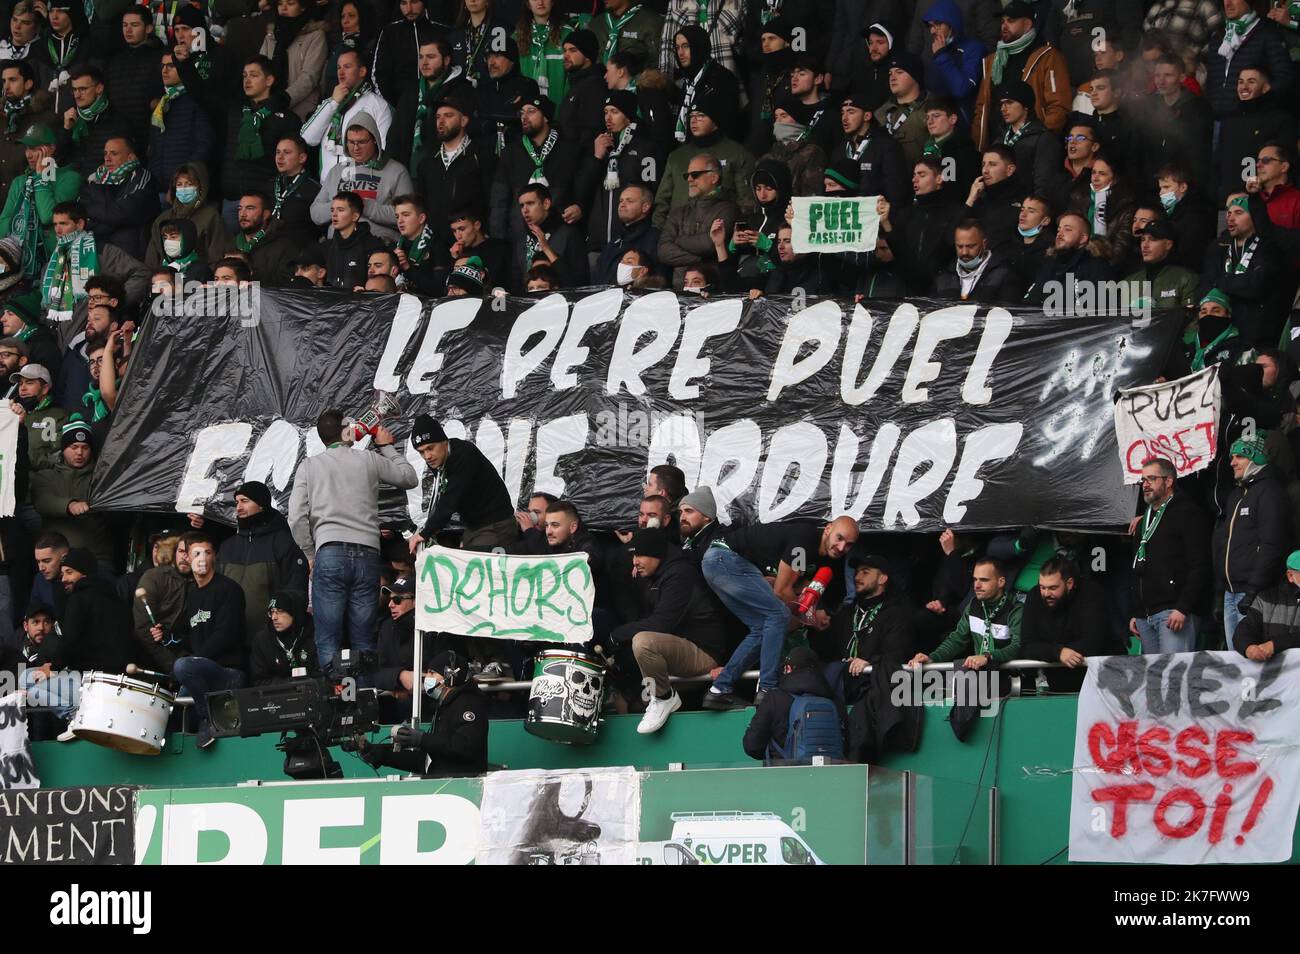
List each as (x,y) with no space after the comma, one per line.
(696,290)
(199,565)
(627,273)
(652,523)
(172,248)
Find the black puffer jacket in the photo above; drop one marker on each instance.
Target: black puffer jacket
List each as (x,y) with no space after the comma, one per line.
(121,214)
(134,82)
(772,719)
(1252,539)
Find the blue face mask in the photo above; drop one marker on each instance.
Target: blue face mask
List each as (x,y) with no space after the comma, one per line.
(1168,200)
(1030,233)
(186,194)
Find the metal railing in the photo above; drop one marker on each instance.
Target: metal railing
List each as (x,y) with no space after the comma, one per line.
(521,685)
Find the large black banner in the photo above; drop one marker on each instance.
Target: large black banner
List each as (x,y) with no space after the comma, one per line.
(68,826)
(906,415)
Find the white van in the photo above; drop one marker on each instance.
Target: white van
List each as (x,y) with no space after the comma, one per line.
(729,838)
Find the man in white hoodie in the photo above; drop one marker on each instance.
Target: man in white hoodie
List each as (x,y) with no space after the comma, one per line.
(353,95)
(373,176)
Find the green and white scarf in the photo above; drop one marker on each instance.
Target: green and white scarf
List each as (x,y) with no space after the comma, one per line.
(14,113)
(1235,33)
(335,133)
(159,117)
(702,14)
(1236,263)
(985,641)
(1007,50)
(614,29)
(104,176)
(249,144)
(1012,136)
(26,226)
(60,62)
(81,127)
(74,262)
(284,187)
(426,93)
(417,251)
(539,157)
(246,244)
(95,401)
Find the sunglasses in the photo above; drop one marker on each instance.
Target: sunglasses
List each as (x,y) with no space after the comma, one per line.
(399,599)
(695,175)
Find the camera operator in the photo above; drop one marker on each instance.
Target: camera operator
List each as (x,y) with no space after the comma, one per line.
(456,741)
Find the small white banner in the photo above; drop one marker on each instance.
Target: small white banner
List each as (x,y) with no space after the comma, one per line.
(17,769)
(1186,759)
(537,598)
(830,224)
(11,428)
(561,817)
(1177,420)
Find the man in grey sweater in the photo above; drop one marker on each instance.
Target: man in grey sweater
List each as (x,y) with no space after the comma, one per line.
(334,516)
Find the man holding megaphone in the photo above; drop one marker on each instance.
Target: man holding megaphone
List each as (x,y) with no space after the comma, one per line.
(753,570)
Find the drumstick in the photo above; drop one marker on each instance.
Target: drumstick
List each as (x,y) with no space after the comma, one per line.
(141,595)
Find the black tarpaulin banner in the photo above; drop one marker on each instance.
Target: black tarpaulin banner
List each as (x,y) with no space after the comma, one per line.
(909,415)
(68,826)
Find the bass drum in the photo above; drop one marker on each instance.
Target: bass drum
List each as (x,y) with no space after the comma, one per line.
(129,715)
(568,689)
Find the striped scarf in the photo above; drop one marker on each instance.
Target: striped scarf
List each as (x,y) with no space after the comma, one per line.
(81,127)
(26,226)
(105,176)
(159,117)
(14,112)
(74,262)
(335,133)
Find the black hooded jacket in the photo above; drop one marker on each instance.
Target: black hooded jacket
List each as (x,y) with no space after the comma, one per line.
(93,632)
(581,116)
(274,656)
(711,81)
(676,600)
(772,719)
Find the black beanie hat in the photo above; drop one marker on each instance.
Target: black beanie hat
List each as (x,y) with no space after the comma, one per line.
(81,560)
(255,491)
(584,41)
(426,430)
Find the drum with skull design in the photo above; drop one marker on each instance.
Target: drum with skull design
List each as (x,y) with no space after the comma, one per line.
(565,702)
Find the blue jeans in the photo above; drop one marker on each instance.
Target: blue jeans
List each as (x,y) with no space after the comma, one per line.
(198,676)
(344,596)
(60,693)
(1232,615)
(1158,638)
(742,589)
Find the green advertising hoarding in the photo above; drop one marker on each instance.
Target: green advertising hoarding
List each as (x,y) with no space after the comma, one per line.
(786,815)
(327,823)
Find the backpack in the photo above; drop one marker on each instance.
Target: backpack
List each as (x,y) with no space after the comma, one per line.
(813,729)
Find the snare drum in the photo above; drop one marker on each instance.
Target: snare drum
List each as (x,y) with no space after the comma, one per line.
(126,714)
(564,704)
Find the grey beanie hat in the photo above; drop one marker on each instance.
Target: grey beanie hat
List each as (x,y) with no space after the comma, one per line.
(701,499)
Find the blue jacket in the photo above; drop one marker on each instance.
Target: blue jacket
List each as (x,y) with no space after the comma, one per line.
(188,138)
(956,69)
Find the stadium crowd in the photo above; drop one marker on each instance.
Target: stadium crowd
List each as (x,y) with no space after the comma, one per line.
(477,147)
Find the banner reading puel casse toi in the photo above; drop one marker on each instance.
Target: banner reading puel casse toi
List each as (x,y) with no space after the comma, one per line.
(536,598)
(834,223)
(1187,758)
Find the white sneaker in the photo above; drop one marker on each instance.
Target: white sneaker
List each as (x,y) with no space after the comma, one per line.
(67,735)
(657,713)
